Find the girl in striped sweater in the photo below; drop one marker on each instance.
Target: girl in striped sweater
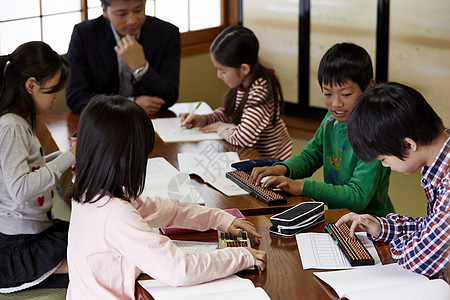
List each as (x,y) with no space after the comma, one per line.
(251,115)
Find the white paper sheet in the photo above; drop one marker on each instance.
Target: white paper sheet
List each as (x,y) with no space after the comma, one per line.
(387,280)
(217,289)
(320,251)
(159,165)
(211,167)
(187,107)
(170,131)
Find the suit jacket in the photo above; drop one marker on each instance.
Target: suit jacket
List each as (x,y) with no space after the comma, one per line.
(94,66)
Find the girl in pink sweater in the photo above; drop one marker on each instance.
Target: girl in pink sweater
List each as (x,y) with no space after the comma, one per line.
(111,235)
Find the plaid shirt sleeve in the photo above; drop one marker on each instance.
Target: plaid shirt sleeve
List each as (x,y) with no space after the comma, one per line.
(422,244)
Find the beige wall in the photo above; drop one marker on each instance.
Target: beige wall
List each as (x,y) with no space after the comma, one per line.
(198,81)
(419,50)
(419,40)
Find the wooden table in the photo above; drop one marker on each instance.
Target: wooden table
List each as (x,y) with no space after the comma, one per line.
(55,128)
(284,277)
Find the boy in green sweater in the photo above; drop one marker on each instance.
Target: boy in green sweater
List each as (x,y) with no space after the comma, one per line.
(345,71)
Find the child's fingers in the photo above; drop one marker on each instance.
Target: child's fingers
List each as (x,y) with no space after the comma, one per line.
(183,116)
(272,181)
(247,226)
(260,259)
(353,227)
(346,218)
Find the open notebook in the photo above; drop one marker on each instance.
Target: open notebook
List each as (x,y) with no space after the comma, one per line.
(232,287)
(379,282)
(165,181)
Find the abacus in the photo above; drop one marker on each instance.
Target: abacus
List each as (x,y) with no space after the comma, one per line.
(265,195)
(352,247)
(229,240)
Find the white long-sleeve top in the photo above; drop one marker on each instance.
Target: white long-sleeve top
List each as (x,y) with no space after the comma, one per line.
(256,128)
(27,182)
(112,241)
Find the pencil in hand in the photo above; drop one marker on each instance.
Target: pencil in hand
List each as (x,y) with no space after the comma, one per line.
(191,114)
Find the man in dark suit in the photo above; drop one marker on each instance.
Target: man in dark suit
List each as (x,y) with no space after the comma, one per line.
(124,52)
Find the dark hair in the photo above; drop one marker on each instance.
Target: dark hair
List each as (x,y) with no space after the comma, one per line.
(114,140)
(33,59)
(237,45)
(344,62)
(106,3)
(384,115)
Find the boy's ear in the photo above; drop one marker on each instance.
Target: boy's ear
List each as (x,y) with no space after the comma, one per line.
(411,144)
(371,82)
(245,69)
(31,84)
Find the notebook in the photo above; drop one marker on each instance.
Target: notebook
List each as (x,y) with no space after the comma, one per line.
(379,282)
(232,287)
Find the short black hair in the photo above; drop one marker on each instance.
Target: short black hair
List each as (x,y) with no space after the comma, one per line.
(345,61)
(106,3)
(384,115)
(114,140)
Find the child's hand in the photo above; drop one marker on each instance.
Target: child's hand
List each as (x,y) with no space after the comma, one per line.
(368,223)
(211,127)
(194,120)
(245,225)
(260,258)
(294,187)
(259,173)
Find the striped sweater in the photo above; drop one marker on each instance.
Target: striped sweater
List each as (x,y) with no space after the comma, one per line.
(256,128)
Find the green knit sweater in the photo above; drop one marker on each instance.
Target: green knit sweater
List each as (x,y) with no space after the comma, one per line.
(349,182)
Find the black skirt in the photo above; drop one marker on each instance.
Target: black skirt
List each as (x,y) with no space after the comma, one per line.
(27,258)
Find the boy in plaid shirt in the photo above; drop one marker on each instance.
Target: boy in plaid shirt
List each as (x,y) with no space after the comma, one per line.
(394,124)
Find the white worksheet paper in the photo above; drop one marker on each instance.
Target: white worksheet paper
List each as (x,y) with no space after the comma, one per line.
(211,167)
(159,165)
(187,107)
(170,131)
(320,251)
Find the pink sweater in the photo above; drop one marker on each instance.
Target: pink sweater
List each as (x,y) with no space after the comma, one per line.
(112,242)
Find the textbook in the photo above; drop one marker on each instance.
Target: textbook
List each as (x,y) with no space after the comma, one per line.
(379,282)
(232,287)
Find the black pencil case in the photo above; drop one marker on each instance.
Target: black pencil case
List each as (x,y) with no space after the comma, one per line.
(293,230)
(298,214)
(248,165)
